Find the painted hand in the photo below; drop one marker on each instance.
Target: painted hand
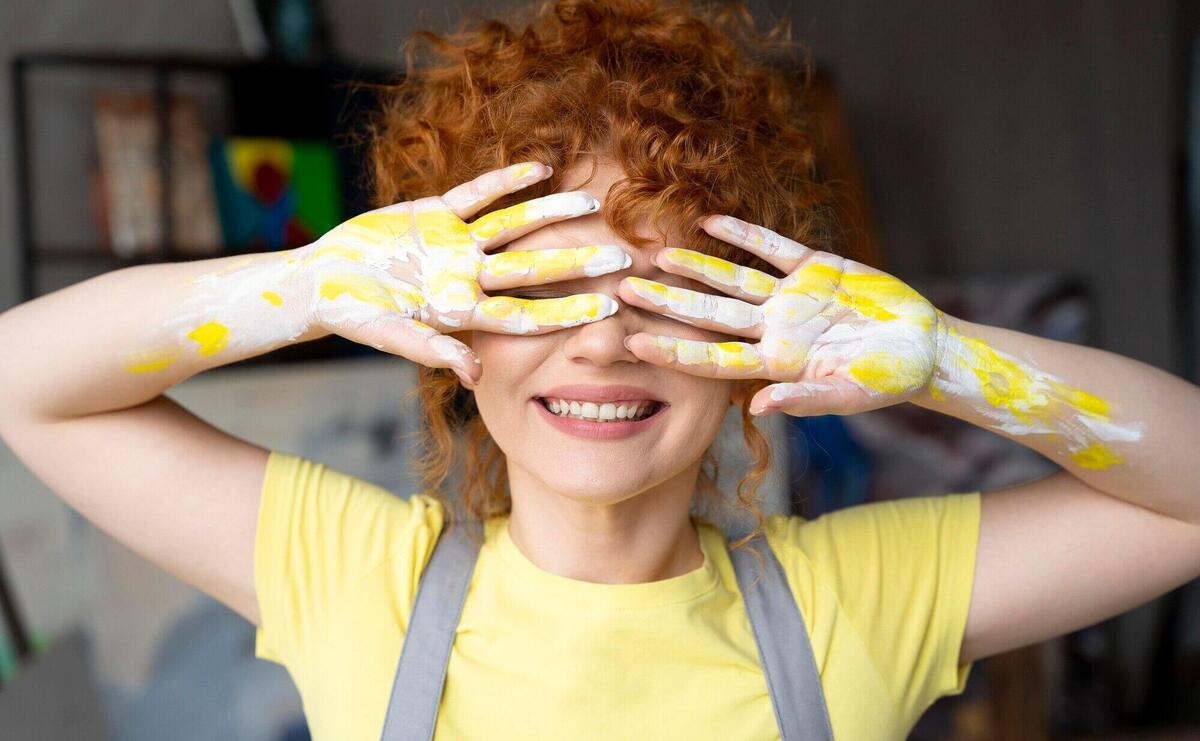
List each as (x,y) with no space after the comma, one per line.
(399,276)
(839,336)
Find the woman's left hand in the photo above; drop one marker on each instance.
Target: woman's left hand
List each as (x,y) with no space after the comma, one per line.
(839,336)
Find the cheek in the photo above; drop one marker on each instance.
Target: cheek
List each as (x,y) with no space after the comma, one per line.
(508,362)
(707,399)
(500,355)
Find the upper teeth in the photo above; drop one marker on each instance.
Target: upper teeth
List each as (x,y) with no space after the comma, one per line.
(600,412)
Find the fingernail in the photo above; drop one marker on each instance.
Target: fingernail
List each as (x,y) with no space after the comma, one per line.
(626,343)
(466,380)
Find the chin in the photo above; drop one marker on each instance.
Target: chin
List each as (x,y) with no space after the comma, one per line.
(597,485)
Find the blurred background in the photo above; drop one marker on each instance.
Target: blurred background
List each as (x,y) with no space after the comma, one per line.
(1023,164)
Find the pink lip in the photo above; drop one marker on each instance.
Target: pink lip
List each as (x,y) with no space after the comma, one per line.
(599,430)
(598,394)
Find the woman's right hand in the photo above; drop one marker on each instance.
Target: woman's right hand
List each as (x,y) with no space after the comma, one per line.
(397,277)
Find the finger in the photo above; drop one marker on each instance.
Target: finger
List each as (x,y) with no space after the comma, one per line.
(829,395)
(708,359)
(535,267)
(704,310)
(785,254)
(467,199)
(411,339)
(511,315)
(740,281)
(505,225)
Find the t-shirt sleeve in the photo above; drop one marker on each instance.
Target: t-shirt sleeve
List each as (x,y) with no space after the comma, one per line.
(903,571)
(319,531)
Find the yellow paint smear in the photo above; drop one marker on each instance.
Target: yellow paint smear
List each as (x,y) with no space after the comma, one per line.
(149,360)
(360,287)
(544,264)
(886,373)
(876,296)
(273,297)
(440,228)
(1082,401)
(651,289)
(1007,385)
(736,355)
(733,355)
(490,225)
(211,336)
(1096,457)
(722,271)
(752,282)
(1002,382)
(378,227)
(452,288)
(679,300)
(869,295)
(334,250)
(564,311)
(407,297)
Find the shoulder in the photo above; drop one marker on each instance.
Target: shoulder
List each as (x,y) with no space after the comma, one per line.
(907,524)
(901,572)
(321,532)
(341,518)
(903,549)
(302,481)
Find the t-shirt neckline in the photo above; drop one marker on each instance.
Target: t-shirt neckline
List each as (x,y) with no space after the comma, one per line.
(595,595)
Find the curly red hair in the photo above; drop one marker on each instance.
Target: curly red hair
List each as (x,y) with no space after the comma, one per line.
(674,93)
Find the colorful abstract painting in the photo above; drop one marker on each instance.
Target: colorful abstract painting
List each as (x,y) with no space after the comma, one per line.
(275,193)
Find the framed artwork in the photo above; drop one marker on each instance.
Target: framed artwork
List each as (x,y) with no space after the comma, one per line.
(128,177)
(275,194)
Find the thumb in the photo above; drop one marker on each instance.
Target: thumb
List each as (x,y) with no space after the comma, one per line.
(420,343)
(830,395)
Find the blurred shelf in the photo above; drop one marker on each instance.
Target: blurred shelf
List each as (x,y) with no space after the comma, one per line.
(266,97)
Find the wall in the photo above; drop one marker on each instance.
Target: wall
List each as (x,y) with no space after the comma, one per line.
(1018,135)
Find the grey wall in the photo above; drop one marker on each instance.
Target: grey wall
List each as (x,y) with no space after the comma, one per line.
(994,135)
(1018,134)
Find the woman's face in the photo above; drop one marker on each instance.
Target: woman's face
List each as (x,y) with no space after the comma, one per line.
(595,462)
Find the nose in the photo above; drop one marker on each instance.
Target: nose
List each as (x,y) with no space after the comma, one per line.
(602,343)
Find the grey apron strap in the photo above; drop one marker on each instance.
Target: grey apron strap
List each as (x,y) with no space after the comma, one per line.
(421,671)
(783,645)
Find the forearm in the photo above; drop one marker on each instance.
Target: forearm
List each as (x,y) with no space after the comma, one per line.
(122,338)
(1123,427)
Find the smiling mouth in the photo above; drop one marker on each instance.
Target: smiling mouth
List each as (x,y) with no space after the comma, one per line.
(622,411)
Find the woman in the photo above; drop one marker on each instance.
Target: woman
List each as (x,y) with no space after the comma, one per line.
(594,228)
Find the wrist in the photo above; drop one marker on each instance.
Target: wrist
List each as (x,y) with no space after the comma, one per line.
(936,394)
(295,295)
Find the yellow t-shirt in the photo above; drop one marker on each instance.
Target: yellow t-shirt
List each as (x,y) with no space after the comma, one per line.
(883,588)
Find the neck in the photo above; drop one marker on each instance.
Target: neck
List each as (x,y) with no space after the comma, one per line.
(645,537)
